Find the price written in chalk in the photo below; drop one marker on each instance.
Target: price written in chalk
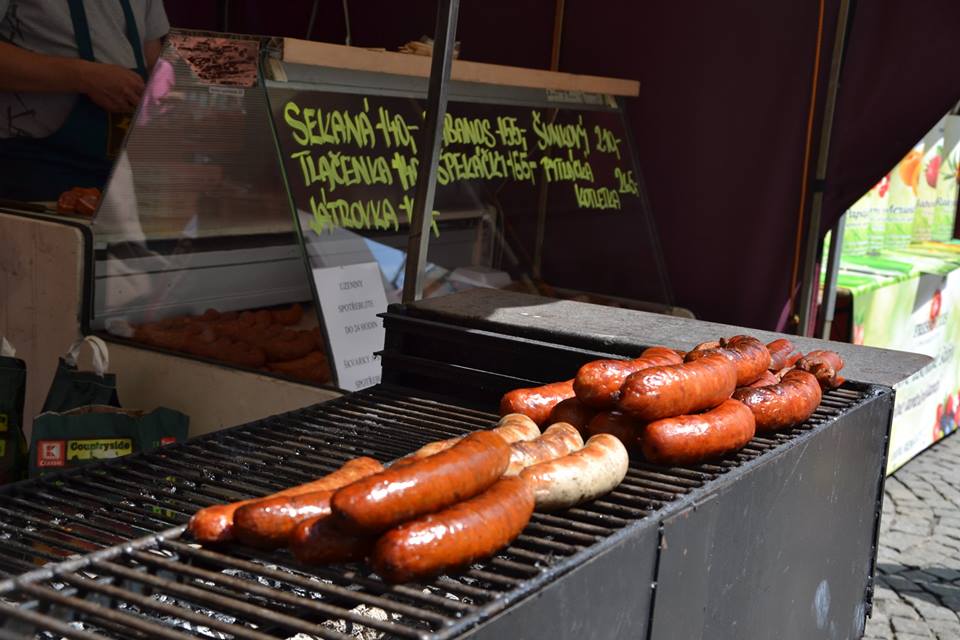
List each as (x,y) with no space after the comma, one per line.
(358,166)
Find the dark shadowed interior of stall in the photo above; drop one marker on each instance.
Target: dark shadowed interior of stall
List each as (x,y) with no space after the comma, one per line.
(723,121)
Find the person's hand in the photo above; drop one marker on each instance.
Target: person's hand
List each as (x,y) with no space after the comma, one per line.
(111,87)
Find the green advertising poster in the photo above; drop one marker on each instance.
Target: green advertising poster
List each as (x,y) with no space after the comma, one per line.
(910,300)
(945,210)
(856,229)
(904,181)
(877,215)
(928,403)
(927,183)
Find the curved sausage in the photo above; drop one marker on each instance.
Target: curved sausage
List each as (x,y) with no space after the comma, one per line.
(748,354)
(783,354)
(825,365)
(557,441)
(691,439)
(627,430)
(513,427)
(662,392)
(215,523)
(536,402)
(785,404)
(455,537)
(572,411)
(584,475)
(287,345)
(319,540)
(598,383)
(384,500)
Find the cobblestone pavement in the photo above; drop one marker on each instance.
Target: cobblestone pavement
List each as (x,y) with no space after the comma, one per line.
(918,564)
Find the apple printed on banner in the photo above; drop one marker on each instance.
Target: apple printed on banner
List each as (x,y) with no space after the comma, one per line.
(883,186)
(933,170)
(937,424)
(935,304)
(956,416)
(858,334)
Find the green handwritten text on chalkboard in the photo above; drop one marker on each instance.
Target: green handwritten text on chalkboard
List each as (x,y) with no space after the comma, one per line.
(357,159)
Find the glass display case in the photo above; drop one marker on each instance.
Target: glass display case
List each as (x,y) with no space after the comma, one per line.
(259,214)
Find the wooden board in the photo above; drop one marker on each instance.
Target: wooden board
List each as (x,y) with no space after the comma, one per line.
(360,59)
(41,268)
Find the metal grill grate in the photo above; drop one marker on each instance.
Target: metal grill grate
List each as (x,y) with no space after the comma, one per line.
(116,566)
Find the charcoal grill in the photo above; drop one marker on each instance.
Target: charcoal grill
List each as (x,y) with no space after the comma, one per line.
(775,540)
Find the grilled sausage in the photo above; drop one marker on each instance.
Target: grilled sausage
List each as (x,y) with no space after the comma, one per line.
(557,441)
(783,354)
(384,500)
(513,427)
(215,524)
(319,540)
(67,202)
(662,392)
(536,402)
(627,430)
(584,475)
(785,404)
(572,411)
(766,379)
(457,536)
(748,354)
(598,383)
(691,439)
(704,346)
(267,523)
(825,366)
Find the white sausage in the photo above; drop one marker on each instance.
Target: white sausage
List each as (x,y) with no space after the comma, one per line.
(584,475)
(558,440)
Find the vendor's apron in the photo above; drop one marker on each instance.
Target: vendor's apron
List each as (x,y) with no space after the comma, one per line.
(81,152)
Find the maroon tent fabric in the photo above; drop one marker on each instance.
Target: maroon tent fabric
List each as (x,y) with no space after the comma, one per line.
(722,117)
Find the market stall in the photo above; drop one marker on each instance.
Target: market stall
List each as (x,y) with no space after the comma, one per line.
(717,475)
(619,564)
(254,154)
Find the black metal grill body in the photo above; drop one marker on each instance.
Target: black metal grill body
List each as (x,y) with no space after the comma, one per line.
(736,549)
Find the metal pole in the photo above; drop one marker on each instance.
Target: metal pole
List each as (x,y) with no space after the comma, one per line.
(810,281)
(542,192)
(830,282)
(225,15)
(422,215)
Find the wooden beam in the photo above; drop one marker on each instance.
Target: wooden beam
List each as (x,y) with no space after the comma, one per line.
(359,59)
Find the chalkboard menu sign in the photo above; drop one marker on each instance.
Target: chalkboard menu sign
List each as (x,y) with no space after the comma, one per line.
(350,160)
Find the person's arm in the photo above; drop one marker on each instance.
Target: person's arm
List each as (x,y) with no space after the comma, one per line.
(151,51)
(112,87)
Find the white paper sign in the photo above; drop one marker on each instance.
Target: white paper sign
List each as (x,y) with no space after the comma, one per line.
(350,299)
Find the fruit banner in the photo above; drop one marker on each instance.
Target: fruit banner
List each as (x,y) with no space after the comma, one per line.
(927,184)
(948,183)
(909,300)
